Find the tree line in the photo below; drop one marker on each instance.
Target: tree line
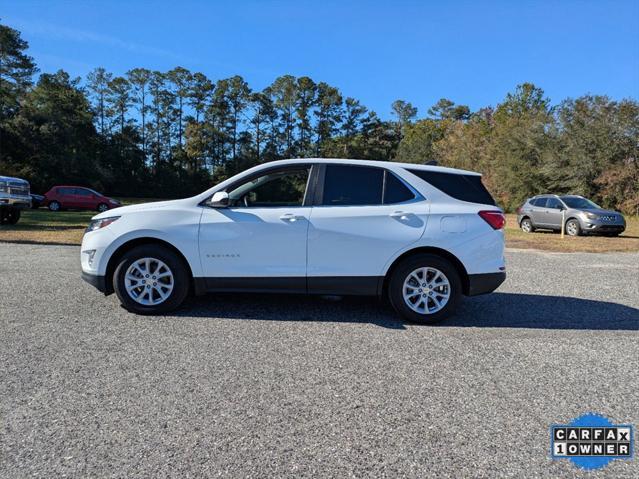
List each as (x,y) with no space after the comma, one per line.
(170,134)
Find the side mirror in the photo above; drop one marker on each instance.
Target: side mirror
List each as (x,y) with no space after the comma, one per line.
(219,200)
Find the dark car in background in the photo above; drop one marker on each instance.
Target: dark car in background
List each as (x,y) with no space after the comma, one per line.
(36,201)
(78,198)
(581,216)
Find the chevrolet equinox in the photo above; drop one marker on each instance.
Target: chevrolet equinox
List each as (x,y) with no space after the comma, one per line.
(420,235)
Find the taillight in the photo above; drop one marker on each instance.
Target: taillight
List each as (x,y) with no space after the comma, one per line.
(495,219)
(518,210)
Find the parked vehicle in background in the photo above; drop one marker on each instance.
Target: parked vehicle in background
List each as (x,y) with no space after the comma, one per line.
(36,201)
(421,235)
(581,216)
(78,198)
(14,196)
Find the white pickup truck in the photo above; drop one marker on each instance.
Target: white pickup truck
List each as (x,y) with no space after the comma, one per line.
(14,196)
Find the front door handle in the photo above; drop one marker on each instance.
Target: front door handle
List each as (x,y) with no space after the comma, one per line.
(291,218)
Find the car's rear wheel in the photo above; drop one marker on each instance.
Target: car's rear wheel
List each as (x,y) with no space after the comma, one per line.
(573,228)
(425,288)
(54,206)
(527,226)
(102,207)
(151,279)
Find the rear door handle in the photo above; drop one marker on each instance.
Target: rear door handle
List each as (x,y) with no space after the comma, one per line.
(400,215)
(291,218)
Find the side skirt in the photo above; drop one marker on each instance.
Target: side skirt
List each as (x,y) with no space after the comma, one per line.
(323,285)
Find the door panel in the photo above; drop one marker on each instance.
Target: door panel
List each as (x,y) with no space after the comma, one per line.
(353,231)
(359,240)
(254,242)
(538,213)
(261,235)
(553,213)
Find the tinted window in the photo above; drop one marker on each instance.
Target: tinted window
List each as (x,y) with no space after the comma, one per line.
(395,191)
(539,202)
(353,185)
(82,192)
(279,188)
(553,203)
(462,187)
(66,191)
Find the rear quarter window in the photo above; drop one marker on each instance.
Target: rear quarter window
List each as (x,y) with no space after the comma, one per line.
(459,186)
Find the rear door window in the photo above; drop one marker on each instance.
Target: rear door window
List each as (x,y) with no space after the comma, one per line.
(459,186)
(346,185)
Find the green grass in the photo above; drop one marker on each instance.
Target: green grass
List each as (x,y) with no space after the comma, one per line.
(60,227)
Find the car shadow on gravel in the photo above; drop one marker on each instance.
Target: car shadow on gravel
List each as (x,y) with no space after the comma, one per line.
(512,310)
(497,310)
(284,307)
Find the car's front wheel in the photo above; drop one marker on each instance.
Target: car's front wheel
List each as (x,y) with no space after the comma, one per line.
(102,207)
(425,288)
(573,228)
(151,279)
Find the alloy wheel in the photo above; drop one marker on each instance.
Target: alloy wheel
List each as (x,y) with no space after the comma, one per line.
(149,281)
(571,228)
(426,290)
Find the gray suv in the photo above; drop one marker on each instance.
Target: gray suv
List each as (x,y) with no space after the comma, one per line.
(582,216)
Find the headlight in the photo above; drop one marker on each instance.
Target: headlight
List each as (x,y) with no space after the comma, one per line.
(592,216)
(101,223)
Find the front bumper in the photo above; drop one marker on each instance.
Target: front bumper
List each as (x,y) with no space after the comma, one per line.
(15,202)
(98,282)
(484,283)
(594,228)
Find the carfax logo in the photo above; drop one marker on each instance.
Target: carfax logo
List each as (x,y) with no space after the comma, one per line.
(591,441)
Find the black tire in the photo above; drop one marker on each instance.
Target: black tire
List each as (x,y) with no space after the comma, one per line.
(12,216)
(55,206)
(102,207)
(573,228)
(181,279)
(528,226)
(404,269)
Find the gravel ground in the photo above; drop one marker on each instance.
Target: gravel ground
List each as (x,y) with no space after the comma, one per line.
(248,386)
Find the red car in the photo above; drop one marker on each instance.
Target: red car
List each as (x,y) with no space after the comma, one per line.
(77,198)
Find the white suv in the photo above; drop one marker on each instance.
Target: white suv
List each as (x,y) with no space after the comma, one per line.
(422,235)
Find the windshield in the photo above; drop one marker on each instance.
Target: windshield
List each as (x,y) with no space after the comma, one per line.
(578,203)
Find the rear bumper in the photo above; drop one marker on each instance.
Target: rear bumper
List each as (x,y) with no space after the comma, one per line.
(484,283)
(98,282)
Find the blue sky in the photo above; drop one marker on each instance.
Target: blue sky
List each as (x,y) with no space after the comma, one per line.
(472,52)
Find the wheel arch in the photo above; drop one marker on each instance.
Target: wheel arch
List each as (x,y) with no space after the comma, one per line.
(459,266)
(525,217)
(133,243)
